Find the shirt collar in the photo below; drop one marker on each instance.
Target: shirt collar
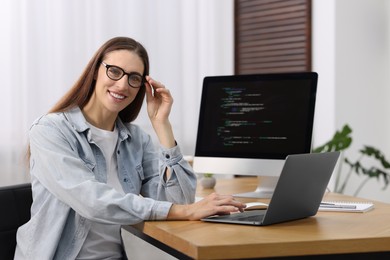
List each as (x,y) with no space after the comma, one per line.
(78,121)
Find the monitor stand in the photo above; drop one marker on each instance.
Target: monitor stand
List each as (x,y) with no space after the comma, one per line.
(265,188)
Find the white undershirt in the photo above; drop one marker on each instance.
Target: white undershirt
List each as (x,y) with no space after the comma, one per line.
(106,140)
(103,240)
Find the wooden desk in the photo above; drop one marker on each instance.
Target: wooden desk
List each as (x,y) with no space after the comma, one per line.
(327,233)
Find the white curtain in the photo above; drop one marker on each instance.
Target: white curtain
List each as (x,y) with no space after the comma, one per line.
(45,45)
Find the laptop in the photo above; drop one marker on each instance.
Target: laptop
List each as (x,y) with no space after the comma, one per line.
(298,193)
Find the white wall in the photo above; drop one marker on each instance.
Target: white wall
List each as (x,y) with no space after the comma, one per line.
(45,45)
(351,53)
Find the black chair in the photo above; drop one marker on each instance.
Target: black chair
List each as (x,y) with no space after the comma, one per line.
(15,204)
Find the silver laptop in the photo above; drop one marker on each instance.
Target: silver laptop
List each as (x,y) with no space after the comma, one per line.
(298,193)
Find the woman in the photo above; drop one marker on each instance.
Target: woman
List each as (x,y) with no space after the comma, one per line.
(89,164)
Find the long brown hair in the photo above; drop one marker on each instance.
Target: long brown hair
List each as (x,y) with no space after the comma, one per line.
(82,90)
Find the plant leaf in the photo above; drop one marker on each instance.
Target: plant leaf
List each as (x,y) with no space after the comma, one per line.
(340,141)
(373,152)
(372,172)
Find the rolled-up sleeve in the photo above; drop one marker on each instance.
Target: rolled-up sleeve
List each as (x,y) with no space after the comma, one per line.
(181,186)
(143,167)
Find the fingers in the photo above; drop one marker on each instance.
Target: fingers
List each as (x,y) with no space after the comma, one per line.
(214,204)
(226,203)
(157,91)
(156,85)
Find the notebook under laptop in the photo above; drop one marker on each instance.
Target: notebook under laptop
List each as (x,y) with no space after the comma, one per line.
(298,193)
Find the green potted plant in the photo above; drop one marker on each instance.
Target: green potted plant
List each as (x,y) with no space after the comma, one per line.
(340,142)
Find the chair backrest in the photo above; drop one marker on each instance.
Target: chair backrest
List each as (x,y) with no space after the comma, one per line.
(15,204)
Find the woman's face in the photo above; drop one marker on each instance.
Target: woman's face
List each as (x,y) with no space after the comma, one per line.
(112,96)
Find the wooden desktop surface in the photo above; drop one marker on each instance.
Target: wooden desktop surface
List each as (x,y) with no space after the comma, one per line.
(325,233)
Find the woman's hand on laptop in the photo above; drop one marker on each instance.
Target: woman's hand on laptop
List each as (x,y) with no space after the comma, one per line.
(213,204)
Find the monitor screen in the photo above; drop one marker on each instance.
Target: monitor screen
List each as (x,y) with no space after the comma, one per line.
(248,124)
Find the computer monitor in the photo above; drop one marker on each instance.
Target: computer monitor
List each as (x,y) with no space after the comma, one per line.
(248,124)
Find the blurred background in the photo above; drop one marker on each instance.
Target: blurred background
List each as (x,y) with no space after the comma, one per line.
(46,44)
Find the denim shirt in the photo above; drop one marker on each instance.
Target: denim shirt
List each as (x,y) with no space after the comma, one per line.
(68,177)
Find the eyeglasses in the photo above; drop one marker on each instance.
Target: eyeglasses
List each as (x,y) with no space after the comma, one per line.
(135,79)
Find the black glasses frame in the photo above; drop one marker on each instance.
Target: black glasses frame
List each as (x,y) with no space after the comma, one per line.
(129,75)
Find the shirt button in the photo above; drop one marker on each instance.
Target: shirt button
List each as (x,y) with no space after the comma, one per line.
(167,156)
(119,152)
